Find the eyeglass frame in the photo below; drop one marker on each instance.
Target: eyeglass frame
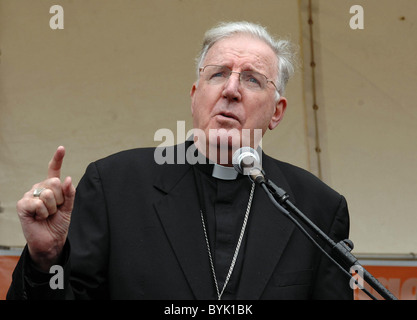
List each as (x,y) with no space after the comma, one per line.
(201,69)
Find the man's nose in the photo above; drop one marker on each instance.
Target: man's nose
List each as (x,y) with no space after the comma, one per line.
(231,90)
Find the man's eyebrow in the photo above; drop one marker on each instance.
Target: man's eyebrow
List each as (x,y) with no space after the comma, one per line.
(245,67)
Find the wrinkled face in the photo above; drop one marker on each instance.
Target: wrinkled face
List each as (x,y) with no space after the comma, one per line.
(228,108)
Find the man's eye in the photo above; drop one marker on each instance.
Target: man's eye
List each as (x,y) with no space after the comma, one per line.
(252,80)
(218,75)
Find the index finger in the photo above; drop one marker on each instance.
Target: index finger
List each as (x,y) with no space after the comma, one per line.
(54,166)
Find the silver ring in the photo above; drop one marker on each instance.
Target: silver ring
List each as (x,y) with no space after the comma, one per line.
(37,192)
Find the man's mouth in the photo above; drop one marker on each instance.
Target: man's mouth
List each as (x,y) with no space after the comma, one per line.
(228,115)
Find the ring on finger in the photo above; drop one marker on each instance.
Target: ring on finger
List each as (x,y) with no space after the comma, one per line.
(37,192)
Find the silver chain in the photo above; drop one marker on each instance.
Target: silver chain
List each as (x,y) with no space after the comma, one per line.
(232,265)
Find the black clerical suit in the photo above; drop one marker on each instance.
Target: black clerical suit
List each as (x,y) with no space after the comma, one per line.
(136,233)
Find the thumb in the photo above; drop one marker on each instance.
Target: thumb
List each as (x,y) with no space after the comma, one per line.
(69,195)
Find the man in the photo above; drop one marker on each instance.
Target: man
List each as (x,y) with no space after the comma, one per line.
(141,230)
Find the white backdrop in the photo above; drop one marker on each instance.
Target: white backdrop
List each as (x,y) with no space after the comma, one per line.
(119,71)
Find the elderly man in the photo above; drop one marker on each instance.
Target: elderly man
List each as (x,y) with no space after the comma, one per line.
(137,229)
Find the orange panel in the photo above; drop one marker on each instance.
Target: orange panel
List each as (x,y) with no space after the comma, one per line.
(401,281)
(7,265)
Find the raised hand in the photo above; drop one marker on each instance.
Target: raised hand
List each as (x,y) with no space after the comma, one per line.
(45,214)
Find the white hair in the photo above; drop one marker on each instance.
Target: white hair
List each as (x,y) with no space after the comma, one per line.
(283,49)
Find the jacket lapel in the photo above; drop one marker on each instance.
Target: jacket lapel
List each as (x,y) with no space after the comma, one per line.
(268,234)
(179,213)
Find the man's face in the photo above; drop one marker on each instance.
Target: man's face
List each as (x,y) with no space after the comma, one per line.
(230,105)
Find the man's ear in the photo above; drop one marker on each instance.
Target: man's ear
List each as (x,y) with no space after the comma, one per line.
(192,93)
(280,107)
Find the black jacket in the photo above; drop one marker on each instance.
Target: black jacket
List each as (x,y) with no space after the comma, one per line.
(136,234)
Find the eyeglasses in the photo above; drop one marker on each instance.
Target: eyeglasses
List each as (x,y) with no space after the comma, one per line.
(251,80)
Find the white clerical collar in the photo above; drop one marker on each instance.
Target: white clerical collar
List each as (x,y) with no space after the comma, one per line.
(224,173)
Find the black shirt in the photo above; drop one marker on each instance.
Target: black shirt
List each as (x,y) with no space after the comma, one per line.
(224,204)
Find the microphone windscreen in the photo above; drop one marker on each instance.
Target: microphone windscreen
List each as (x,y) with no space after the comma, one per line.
(242,154)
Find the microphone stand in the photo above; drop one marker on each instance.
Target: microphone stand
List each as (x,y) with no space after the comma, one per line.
(342,249)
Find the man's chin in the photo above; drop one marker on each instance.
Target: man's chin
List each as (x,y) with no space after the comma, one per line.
(222,143)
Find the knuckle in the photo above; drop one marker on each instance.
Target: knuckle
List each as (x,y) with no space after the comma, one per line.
(54,182)
(23,204)
(20,204)
(41,211)
(36,185)
(39,206)
(47,194)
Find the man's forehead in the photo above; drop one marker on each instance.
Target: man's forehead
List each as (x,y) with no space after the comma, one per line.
(242,49)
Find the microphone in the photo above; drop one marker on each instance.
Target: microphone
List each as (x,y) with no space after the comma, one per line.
(246,161)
